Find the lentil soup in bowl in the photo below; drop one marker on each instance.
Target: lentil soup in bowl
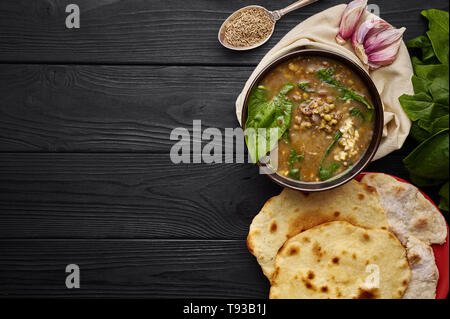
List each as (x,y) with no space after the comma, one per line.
(327,115)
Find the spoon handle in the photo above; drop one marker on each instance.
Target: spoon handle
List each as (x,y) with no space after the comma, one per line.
(277,14)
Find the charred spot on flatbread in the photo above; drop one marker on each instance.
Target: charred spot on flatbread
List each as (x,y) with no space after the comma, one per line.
(293,250)
(273,226)
(365,293)
(421,222)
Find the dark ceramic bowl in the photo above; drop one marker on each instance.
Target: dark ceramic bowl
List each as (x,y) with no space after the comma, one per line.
(376,138)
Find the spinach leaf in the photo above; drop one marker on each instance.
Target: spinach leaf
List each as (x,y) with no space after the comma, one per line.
(419,84)
(430,160)
(444,193)
(257,99)
(438,33)
(326,173)
(432,95)
(349,94)
(286,137)
(424,182)
(440,124)
(267,120)
(357,112)
(428,108)
(418,133)
(421,107)
(436,81)
(286,88)
(326,75)
(293,158)
(336,138)
(422,42)
(305,86)
(294,173)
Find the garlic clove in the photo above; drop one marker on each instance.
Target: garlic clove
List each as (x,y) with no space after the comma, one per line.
(350,19)
(373,66)
(361,54)
(376,43)
(387,55)
(383,39)
(368,27)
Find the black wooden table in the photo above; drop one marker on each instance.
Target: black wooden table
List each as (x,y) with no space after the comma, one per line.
(85,173)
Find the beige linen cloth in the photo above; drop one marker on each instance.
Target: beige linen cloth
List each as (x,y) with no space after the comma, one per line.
(319,31)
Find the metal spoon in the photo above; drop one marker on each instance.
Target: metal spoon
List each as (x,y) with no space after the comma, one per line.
(275,15)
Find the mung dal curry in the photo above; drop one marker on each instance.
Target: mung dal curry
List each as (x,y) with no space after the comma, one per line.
(323,114)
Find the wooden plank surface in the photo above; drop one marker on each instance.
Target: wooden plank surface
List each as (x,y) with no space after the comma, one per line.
(72,108)
(90,108)
(131,268)
(156,31)
(133,196)
(126,196)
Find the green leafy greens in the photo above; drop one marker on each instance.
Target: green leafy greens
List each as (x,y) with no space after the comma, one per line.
(428,108)
(286,137)
(274,116)
(357,112)
(444,192)
(305,86)
(328,172)
(293,158)
(327,76)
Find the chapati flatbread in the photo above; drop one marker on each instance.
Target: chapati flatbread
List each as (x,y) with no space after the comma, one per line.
(292,212)
(338,260)
(424,273)
(408,212)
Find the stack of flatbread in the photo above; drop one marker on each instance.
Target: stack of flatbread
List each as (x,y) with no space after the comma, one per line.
(368,239)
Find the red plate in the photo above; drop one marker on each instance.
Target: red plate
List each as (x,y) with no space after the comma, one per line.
(440,251)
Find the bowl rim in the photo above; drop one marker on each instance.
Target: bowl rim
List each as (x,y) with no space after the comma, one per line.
(364,160)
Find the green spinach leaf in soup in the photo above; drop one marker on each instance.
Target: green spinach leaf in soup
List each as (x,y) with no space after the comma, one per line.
(286,137)
(305,86)
(293,159)
(357,112)
(327,172)
(327,76)
(257,100)
(272,115)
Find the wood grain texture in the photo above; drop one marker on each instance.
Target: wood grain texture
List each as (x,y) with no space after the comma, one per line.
(156,31)
(127,196)
(134,196)
(131,268)
(133,109)
(69,108)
